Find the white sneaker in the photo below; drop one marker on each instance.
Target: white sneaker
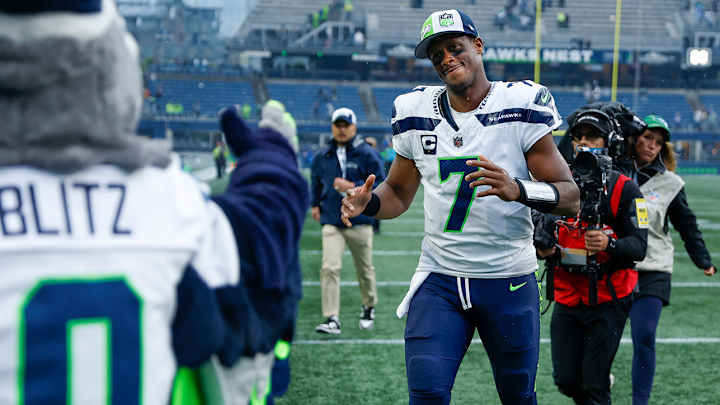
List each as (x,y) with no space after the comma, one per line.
(331,326)
(367,318)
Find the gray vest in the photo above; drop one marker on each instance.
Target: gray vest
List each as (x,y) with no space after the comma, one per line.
(659,192)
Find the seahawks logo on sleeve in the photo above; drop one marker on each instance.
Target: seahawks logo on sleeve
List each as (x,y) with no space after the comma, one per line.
(544,98)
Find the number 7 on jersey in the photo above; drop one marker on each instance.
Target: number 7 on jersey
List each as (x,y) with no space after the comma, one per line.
(464,195)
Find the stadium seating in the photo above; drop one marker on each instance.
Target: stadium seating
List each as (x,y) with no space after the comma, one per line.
(567,102)
(303,100)
(644,24)
(384,97)
(665,104)
(204,98)
(711,101)
(281,14)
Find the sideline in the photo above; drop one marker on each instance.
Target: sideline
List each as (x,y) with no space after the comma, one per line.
(624,341)
(384,233)
(675,284)
(317,252)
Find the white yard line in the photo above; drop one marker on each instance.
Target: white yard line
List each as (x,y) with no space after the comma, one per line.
(691,284)
(355,283)
(405,221)
(308,252)
(378,252)
(708,230)
(625,341)
(676,284)
(401,221)
(384,233)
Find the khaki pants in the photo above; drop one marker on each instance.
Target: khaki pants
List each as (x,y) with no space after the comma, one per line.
(359,239)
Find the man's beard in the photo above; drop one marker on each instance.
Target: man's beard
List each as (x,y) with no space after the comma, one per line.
(461,88)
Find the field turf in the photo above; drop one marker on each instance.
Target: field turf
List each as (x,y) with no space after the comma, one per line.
(367,367)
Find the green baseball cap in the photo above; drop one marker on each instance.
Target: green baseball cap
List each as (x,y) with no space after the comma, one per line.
(656,121)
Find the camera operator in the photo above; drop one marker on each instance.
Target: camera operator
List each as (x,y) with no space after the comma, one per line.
(591,258)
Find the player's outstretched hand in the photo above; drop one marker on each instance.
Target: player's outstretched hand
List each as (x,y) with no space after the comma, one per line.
(238,135)
(356,200)
(489,174)
(710,271)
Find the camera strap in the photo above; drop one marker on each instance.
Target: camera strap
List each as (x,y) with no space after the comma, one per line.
(613,294)
(548,277)
(617,193)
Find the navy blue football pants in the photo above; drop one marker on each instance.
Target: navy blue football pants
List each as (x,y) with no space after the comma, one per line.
(438,332)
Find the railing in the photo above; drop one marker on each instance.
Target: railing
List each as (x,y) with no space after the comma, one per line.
(336,30)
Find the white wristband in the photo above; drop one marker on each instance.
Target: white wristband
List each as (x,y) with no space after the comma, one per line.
(538,191)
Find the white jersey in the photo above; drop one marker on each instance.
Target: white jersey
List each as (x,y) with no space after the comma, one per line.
(90,266)
(464,235)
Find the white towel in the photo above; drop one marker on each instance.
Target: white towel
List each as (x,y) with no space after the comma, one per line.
(415,283)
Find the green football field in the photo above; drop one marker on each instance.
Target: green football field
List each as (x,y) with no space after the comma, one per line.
(367,367)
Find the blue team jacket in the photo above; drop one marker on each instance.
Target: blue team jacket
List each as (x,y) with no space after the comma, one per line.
(362,161)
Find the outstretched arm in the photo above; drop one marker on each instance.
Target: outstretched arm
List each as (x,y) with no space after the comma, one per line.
(394,195)
(685,222)
(267,225)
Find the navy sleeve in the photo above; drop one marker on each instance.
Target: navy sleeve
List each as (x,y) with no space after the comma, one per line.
(684,221)
(257,319)
(373,164)
(265,202)
(316,181)
(632,240)
(376,167)
(198,329)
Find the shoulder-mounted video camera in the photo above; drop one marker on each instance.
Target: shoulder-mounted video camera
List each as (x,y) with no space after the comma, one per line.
(590,171)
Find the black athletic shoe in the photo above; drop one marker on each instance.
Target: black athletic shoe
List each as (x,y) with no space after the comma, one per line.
(367,318)
(331,326)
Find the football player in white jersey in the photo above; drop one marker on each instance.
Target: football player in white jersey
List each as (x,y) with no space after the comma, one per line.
(485,155)
(116,267)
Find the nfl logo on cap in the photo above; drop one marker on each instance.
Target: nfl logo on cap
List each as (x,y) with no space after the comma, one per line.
(445,20)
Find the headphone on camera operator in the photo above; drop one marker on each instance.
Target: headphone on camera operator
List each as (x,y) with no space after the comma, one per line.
(609,233)
(623,128)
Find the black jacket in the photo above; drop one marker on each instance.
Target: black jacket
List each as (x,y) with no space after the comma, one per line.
(679,213)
